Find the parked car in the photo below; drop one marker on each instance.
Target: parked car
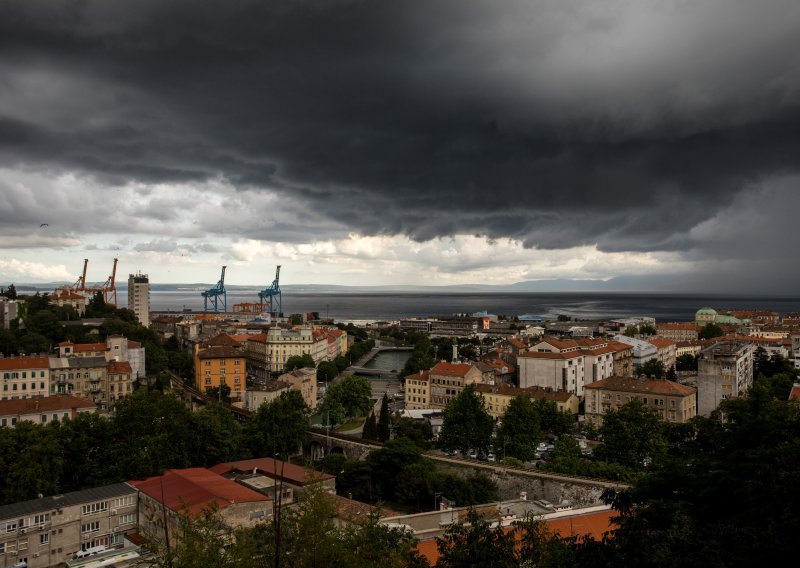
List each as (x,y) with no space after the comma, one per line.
(490,457)
(473,454)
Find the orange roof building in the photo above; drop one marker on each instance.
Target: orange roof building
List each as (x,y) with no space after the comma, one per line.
(672,401)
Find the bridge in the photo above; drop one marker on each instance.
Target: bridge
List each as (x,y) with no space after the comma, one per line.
(320,443)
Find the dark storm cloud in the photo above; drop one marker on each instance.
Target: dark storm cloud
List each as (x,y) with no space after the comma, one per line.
(556,123)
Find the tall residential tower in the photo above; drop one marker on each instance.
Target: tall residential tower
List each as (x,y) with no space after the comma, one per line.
(139,297)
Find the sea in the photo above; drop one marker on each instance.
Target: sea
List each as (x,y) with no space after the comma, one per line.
(379,306)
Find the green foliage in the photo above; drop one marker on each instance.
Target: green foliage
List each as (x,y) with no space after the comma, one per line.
(96,307)
(299,362)
(710,331)
(296,319)
(651,368)
(348,398)
(10,292)
(383,429)
(221,393)
(566,447)
(218,436)
(370,430)
(421,358)
(418,431)
(554,421)
(332,463)
(521,429)
(647,329)
(466,423)
(633,436)
(278,427)
(475,544)
(512,462)
(686,362)
(327,371)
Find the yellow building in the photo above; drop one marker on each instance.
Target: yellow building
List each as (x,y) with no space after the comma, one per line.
(671,401)
(417,389)
(219,365)
(497,398)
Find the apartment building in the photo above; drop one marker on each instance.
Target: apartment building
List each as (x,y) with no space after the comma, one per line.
(50,531)
(268,353)
(263,394)
(24,376)
(65,296)
(9,311)
(498,397)
(84,377)
(643,350)
(115,348)
(623,358)
(665,351)
(447,380)
(559,371)
(671,401)
(220,365)
(596,356)
(42,409)
(182,492)
(678,331)
(139,297)
(724,370)
(304,381)
(417,391)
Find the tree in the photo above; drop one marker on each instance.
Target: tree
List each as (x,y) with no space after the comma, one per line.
(10,292)
(521,429)
(299,362)
(221,393)
(278,427)
(383,431)
(566,447)
(327,371)
(554,421)
(686,362)
(466,423)
(647,329)
(348,398)
(217,435)
(475,544)
(418,431)
(651,368)
(296,319)
(710,331)
(632,436)
(370,431)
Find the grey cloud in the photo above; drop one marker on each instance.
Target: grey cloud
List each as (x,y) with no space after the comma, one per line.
(157,245)
(555,123)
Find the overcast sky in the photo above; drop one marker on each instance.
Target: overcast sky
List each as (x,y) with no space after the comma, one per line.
(403,142)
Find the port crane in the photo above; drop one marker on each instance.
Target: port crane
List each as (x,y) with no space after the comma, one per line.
(80,284)
(272,295)
(215,294)
(109,287)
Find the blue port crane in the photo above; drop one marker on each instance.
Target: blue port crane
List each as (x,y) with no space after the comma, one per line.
(215,294)
(272,295)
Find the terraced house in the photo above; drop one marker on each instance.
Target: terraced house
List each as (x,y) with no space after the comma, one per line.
(24,377)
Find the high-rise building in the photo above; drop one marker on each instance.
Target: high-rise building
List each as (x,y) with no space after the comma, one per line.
(724,370)
(139,297)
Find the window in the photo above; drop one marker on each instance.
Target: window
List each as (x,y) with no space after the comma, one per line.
(44,418)
(41,386)
(128,519)
(94,507)
(94,526)
(11,526)
(126,501)
(44,538)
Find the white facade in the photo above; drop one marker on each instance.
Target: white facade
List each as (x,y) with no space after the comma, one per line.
(558,371)
(643,351)
(139,297)
(725,370)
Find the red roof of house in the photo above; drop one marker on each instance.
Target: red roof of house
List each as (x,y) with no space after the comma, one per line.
(421,376)
(133,344)
(451,369)
(642,385)
(549,355)
(194,489)
(44,404)
(795,393)
(219,352)
(25,362)
(593,525)
(559,344)
(660,342)
(222,340)
(688,326)
(119,367)
(276,469)
(89,347)
(532,392)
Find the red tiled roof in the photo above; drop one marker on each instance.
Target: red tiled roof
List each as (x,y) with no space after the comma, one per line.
(119,367)
(619,346)
(133,344)
(660,342)
(259,337)
(593,525)
(451,369)
(795,392)
(421,376)
(548,355)
(642,385)
(532,392)
(678,326)
(88,347)
(26,362)
(219,352)
(44,404)
(276,469)
(194,489)
(558,344)
(222,340)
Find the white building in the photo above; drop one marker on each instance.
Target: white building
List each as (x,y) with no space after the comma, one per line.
(724,370)
(139,297)
(9,311)
(643,351)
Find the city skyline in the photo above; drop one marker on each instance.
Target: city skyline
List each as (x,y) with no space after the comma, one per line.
(384,143)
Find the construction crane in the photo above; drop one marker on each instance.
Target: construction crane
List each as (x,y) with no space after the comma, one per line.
(109,287)
(272,295)
(80,285)
(215,293)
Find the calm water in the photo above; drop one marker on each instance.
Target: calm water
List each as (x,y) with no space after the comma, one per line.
(389,360)
(393,306)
